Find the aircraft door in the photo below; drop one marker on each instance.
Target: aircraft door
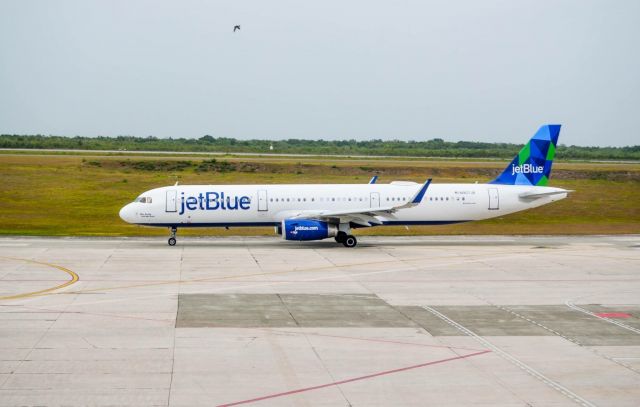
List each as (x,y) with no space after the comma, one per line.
(262,200)
(494,199)
(375,199)
(171,202)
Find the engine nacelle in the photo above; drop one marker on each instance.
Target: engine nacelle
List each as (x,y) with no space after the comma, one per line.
(304,229)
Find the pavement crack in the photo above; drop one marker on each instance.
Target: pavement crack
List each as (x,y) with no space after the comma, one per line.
(284,304)
(89,343)
(175,329)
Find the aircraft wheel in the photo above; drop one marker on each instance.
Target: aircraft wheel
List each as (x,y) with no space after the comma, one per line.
(350,241)
(340,237)
(172,241)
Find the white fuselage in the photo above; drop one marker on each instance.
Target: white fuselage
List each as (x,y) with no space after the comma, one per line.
(268,205)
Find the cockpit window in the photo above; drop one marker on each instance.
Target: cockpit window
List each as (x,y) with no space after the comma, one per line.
(143,199)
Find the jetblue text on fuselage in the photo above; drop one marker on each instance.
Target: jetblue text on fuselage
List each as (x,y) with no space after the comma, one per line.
(213,201)
(526,169)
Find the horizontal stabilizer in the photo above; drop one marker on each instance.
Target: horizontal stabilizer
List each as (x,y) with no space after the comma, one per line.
(536,195)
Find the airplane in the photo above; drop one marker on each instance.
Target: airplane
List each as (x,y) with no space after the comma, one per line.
(305,212)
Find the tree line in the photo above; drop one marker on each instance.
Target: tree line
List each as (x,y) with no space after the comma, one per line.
(429,148)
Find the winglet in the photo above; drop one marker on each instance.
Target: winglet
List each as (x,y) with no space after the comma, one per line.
(420,194)
(373,179)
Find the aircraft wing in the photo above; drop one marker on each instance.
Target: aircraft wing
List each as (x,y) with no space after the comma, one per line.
(536,195)
(362,216)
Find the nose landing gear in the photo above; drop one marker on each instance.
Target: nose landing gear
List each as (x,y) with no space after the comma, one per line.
(172,239)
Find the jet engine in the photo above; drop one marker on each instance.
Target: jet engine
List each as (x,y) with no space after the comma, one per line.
(305,229)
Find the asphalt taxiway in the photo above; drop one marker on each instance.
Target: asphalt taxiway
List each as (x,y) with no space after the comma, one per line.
(412,321)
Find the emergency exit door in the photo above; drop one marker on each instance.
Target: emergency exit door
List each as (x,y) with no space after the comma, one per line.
(494,199)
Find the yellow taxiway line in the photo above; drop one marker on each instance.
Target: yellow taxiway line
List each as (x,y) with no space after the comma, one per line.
(74,278)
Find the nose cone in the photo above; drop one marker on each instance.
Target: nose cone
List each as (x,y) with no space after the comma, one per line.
(127,213)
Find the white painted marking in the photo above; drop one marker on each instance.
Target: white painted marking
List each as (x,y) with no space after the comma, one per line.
(528,369)
(574,341)
(571,305)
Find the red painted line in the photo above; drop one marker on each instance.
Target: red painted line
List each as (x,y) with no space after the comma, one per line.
(613,315)
(384,373)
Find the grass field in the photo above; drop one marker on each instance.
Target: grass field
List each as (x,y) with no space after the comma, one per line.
(63,195)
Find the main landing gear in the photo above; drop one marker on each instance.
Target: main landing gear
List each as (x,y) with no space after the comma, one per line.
(346,240)
(172,239)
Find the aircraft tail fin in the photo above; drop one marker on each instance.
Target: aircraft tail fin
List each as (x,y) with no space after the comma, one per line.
(532,165)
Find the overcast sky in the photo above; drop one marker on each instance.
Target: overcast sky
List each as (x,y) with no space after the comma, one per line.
(458,70)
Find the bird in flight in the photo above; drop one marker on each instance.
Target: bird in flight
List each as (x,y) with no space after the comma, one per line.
(236,28)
